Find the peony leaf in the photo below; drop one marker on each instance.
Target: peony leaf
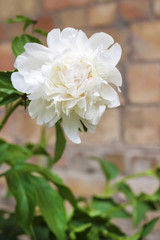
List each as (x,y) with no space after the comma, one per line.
(147,228)
(13,153)
(64,191)
(19,42)
(110,170)
(40,31)
(125,188)
(107,207)
(19,18)
(11,224)
(60,143)
(8,93)
(51,206)
(25,196)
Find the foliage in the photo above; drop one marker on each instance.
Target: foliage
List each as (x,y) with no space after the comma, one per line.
(40,194)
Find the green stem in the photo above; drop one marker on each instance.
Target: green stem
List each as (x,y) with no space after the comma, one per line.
(148,173)
(33,237)
(9,112)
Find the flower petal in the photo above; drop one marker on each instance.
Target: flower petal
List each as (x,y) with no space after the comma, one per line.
(18,82)
(108,93)
(71,125)
(110,74)
(68,34)
(26,63)
(100,39)
(53,37)
(115,53)
(113,104)
(37,51)
(89,126)
(109,57)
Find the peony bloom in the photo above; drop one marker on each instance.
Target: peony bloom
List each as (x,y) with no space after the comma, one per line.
(70,79)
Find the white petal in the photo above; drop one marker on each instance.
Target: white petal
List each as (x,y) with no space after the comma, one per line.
(94,114)
(113,104)
(81,38)
(89,126)
(109,73)
(35,107)
(53,37)
(109,57)
(53,121)
(37,51)
(69,33)
(115,53)
(71,125)
(39,108)
(108,93)
(18,82)
(100,39)
(26,63)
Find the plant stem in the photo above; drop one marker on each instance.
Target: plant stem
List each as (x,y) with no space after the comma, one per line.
(9,112)
(148,173)
(33,237)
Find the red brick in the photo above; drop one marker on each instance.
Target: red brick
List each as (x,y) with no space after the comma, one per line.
(78,2)
(146,40)
(45,23)
(107,131)
(15,29)
(54,4)
(156,7)
(73,18)
(102,15)
(83,185)
(143,83)
(9,9)
(142,125)
(120,36)
(118,160)
(141,164)
(7,59)
(131,10)
(21,128)
(3,34)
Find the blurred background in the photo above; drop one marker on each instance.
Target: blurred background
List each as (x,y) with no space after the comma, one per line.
(128,136)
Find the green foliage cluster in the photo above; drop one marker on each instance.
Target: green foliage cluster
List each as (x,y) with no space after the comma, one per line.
(41,195)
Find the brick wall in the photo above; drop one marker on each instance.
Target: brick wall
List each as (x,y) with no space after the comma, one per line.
(128,136)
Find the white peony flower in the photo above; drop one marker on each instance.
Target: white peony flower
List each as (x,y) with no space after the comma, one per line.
(70,79)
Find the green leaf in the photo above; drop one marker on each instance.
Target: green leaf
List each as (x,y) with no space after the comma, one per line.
(19,18)
(111,228)
(19,42)
(139,212)
(5,80)
(60,143)
(39,150)
(40,31)
(8,93)
(136,236)
(51,206)
(11,224)
(109,208)
(64,191)
(125,188)
(148,227)
(9,99)
(110,170)
(25,196)
(13,153)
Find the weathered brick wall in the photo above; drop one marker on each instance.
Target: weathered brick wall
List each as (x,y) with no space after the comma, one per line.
(128,136)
